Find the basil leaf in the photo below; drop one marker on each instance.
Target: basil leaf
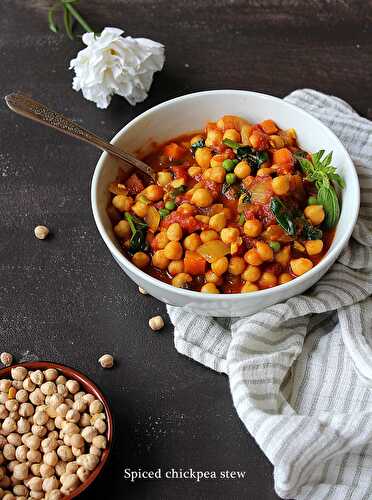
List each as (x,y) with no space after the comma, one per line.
(309,232)
(231,144)
(338,179)
(283,216)
(198,144)
(328,198)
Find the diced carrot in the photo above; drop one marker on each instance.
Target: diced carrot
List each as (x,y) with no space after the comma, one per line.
(269,126)
(194,263)
(259,140)
(174,151)
(283,155)
(179,172)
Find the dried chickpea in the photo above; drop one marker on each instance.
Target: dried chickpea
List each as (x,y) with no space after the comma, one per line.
(156,323)
(220,266)
(209,288)
(192,242)
(141,260)
(280,185)
(6,358)
(267,280)
(88,461)
(252,228)
(159,259)
(20,471)
(175,267)
(249,287)
(122,203)
(37,377)
(203,157)
(300,266)
(236,266)
(174,232)
(173,250)
(251,274)
(100,425)
(28,385)
(202,198)
(5,385)
(242,169)
(181,280)
(315,213)
(264,251)
(36,397)
(65,453)
(252,257)
(48,388)
(229,234)
(19,373)
(314,247)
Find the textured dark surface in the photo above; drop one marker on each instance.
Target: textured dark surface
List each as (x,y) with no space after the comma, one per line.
(64,299)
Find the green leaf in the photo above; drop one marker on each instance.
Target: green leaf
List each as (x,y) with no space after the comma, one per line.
(283,216)
(328,198)
(138,241)
(68,23)
(309,232)
(231,144)
(52,25)
(338,180)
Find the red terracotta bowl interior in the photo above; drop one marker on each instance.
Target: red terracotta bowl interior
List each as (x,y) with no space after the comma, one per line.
(89,386)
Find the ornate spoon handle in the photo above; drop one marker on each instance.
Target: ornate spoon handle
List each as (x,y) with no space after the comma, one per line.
(25,106)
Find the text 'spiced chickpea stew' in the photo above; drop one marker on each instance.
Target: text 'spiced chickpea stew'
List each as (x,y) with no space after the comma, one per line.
(236,208)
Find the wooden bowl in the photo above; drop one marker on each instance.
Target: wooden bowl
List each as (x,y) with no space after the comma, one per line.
(88,386)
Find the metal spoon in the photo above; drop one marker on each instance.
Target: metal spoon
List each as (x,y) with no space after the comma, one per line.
(25,106)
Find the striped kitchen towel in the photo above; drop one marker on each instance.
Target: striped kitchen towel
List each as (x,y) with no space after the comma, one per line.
(300,372)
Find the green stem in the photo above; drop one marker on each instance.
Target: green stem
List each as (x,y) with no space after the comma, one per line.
(78,17)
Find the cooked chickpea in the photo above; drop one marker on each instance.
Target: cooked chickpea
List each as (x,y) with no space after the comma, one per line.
(141,260)
(229,234)
(285,278)
(209,288)
(280,185)
(283,256)
(202,198)
(175,267)
(217,222)
(263,171)
(173,250)
(208,235)
(236,266)
(164,178)
(217,160)
(203,157)
(181,280)
(264,251)
(194,171)
(214,137)
(249,287)
(174,232)
(154,192)
(267,280)
(252,257)
(252,228)
(192,242)
(211,277)
(122,229)
(161,239)
(232,134)
(300,266)
(314,247)
(160,260)
(315,213)
(242,169)
(122,202)
(217,174)
(251,274)
(140,209)
(220,266)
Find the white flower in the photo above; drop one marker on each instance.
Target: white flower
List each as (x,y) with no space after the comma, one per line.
(112,64)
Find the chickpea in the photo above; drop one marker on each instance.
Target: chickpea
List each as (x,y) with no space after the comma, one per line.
(50,483)
(77,440)
(174,232)
(88,461)
(214,137)
(283,256)
(220,266)
(100,425)
(37,397)
(51,458)
(280,185)
(173,250)
(249,287)
(20,490)
(5,385)
(154,192)
(48,388)
(70,428)
(35,484)
(314,247)
(65,453)
(122,202)
(161,240)
(194,171)
(70,482)
(62,410)
(252,257)
(9,451)
(62,390)
(181,280)
(192,242)
(217,222)
(164,178)
(9,425)
(211,277)
(82,474)
(217,174)
(20,471)
(300,266)
(140,209)
(202,198)
(100,442)
(264,251)
(209,288)
(267,280)
(19,373)
(203,157)
(160,260)
(28,385)
(315,213)
(208,235)
(72,467)
(251,274)
(95,407)
(84,420)
(232,134)
(175,267)
(229,234)
(50,374)
(14,438)
(122,229)
(54,495)
(236,266)
(33,456)
(141,260)
(37,377)
(11,405)
(263,171)
(242,169)
(252,228)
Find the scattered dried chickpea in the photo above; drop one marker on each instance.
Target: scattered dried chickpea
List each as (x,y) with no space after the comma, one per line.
(6,358)
(41,232)
(156,323)
(106,361)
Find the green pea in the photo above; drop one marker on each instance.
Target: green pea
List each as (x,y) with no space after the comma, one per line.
(275,245)
(228,165)
(170,205)
(163,212)
(313,200)
(230,178)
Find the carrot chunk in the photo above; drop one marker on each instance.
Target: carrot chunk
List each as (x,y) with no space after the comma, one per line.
(194,263)
(283,155)
(174,151)
(269,126)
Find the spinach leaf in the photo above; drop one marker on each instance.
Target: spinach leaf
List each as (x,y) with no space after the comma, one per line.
(309,232)
(138,241)
(253,157)
(198,144)
(176,191)
(231,144)
(283,216)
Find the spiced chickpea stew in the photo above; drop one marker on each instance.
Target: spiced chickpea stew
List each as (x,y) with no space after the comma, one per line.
(238,207)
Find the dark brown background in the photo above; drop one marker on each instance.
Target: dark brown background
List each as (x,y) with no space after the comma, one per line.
(65,299)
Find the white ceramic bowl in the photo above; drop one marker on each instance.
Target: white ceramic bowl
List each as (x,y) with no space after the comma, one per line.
(190,113)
